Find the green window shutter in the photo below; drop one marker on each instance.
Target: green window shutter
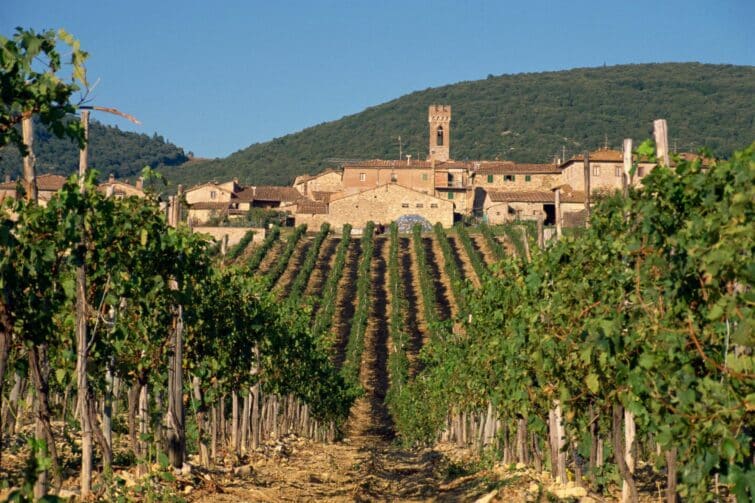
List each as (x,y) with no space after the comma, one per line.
(450,195)
(527,178)
(490,178)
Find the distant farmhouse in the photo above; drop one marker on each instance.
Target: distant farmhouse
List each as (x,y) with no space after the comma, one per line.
(438,189)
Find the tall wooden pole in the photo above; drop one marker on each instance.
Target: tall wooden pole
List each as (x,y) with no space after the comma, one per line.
(586,166)
(30,161)
(627,166)
(660,132)
(558,212)
(175,419)
(82,335)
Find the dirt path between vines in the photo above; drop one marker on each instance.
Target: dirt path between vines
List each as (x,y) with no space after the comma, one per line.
(367,465)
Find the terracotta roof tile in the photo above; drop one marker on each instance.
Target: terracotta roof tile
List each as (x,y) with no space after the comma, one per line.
(276,193)
(508,167)
(312,207)
(534,196)
(50,182)
(245,195)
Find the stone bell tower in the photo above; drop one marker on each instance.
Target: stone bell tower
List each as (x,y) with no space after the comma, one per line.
(439,117)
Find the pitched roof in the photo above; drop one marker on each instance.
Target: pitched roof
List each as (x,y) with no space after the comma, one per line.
(245,195)
(305,178)
(214,185)
(403,164)
(46,182)
(534,196)
(50,182)
(312,207)
(338,196)
(276,193)
(509,167)
(600,155)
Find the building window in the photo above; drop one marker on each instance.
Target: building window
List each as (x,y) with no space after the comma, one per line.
(439,138)
(433,205)
(420,205)
(213,194)
(596,171)
(450,195)
(618,172)
(362,177)
(641,171)
(394,177)
(424,177)
(527,178)
(404,205)
(490,178)
(509,178)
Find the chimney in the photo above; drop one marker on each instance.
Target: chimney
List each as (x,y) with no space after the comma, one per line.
(111,178)
(140,183)
(7,178)
(408,160)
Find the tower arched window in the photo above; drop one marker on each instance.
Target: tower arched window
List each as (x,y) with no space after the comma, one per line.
(439,139)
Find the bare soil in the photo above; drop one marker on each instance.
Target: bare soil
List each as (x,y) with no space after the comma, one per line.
(270,258)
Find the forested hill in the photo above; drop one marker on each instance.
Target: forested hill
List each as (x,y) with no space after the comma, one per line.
(525,117)
(110,151)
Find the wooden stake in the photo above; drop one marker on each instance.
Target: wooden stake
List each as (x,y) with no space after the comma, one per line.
(82,337)
(626,174)
(540,232)
(660,132)
(629,435)
(30,161)
(586,167)
(558,212)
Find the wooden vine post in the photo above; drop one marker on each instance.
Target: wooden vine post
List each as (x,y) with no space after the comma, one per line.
(626,174)
(557,200)
(660,133)
(175,417)
(586,167)
(629,436)
(30,160)
(82,339)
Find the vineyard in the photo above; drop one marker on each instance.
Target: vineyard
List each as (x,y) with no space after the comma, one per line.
(140,361)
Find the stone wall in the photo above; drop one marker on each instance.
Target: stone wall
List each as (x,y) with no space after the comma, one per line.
(204,194)
(603,175)
(357,179)
(519,182)
(383,204)
(234,233)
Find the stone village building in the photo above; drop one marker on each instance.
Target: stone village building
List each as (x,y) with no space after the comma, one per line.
(438,189)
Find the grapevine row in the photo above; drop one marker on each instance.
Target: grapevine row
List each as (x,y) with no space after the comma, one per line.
(263,248)
(305,271)
(355,345)
(236,250)
(642,322)
(425,282)
(398,363)
(451,267)
(495,246)
(324,316)
(282,261)
(478,264)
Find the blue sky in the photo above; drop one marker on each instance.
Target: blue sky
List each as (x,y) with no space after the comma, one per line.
(217,76)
